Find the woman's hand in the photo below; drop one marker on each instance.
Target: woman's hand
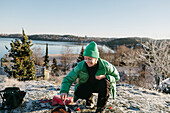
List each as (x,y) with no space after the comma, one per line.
(63,96)
(100,77)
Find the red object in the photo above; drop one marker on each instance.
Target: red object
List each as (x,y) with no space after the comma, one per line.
(17,59)
(78,109)
(57,100)
(45,100)
(110,107)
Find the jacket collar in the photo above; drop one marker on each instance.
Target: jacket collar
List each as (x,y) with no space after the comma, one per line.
(101,69)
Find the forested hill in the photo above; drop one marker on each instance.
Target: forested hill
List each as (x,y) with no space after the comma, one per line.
(110,42)
(49,37)
(126,41)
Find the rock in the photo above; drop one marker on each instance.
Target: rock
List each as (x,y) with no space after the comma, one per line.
(165,86)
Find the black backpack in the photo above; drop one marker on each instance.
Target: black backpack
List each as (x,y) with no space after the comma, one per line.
(12,97)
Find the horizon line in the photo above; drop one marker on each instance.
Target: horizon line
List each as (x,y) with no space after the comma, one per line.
(88,36)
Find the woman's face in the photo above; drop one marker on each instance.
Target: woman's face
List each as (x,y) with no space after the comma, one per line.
(90,61)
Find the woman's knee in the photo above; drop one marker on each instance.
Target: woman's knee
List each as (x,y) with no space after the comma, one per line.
(104,83)
(104,87)
(83,91)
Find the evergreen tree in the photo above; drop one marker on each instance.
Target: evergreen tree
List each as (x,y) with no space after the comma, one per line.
(81,57)
(46,61)
(22,66)
(54,67)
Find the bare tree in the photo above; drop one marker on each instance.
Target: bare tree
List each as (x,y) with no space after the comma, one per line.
(107,55)
(156,55)
(38,56)
(131,57)
(119,55)
(66,58)
(141,78)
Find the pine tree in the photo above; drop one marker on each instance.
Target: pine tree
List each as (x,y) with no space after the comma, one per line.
(22,66)
(81,57)
(54,67)
(46,61)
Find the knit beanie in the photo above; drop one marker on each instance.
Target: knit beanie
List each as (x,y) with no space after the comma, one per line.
(91,50)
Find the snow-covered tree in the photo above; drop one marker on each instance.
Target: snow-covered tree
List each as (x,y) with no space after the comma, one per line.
(156,55)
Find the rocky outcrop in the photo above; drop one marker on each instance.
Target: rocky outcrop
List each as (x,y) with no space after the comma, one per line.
(130,99)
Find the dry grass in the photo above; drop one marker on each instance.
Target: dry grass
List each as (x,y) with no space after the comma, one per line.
(56,79)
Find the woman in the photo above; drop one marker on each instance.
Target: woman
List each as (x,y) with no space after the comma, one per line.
(95,76)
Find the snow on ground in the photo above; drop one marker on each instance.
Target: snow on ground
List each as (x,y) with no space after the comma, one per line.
(130,99)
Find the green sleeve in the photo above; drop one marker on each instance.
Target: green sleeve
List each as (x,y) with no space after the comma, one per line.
(68,80)
(113,75)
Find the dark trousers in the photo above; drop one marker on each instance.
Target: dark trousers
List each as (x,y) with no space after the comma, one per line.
(102,87)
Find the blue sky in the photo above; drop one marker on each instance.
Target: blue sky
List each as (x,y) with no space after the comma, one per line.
(93,18)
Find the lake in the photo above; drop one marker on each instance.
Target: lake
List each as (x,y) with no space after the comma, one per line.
(54,47)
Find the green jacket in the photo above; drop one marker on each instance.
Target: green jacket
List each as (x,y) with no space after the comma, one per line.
(80,72)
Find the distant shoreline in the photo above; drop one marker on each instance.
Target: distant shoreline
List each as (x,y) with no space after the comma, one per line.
(110,42)
(58,38)
(42,39)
